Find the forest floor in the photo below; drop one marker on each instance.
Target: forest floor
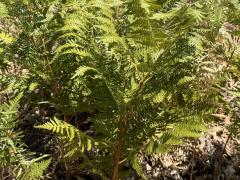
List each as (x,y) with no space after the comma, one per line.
(214,156)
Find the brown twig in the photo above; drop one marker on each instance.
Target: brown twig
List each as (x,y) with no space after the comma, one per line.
(192,164)
(223,152)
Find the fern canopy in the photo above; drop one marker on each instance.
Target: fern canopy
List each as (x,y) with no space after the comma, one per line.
(143,70)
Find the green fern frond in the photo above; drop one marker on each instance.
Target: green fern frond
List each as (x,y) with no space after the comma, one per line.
(3,10)
(191,128)
(69,44)
(186,79)
(5,38)
(77,52)
(71,35)
(11,107)
(104,6)
(158,144)
(59,127)
(35,169)
(196,14)
(174,12)
(159,97)
(82,70)
(83,142)
(135,161)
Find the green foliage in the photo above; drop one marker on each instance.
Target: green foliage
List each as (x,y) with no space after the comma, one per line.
(3,10)
(11,146)
(34,169)
(134,159)
(75,145)
(230,86)
(13,155)
(69,131)
(148,68)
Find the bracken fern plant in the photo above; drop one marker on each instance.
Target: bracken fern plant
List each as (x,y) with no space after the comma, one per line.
(144,68)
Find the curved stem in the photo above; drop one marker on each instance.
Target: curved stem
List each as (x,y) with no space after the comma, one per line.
(123,128)
(118,148)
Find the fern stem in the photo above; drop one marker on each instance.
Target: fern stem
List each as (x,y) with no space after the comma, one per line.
(46,54)
(140,86)
(123,129)
(118,148)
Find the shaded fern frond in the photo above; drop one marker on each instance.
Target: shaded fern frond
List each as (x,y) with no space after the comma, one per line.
(35,169)
(135,162)
(11,107)
(186,79)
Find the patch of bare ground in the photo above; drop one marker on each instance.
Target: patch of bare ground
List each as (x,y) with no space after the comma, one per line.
(214,156)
